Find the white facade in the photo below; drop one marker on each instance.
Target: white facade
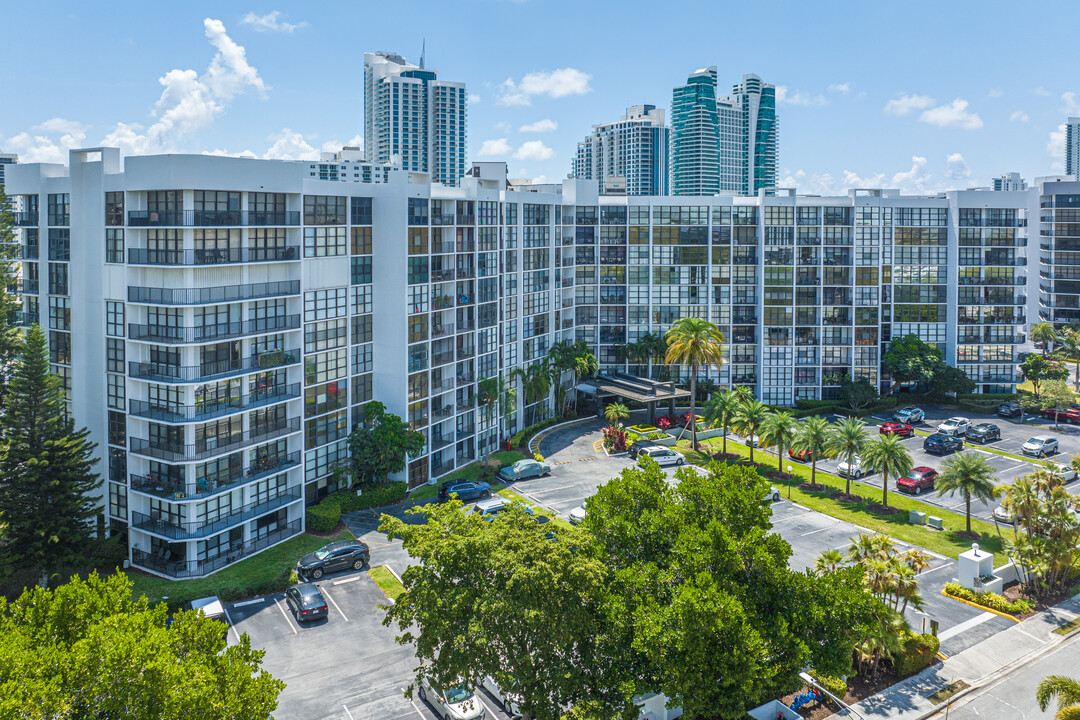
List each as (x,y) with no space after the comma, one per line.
(1009,182)
(414,119)
(6,159)
(627,157)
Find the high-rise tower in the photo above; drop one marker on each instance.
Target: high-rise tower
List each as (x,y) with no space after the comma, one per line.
(629,154)
(695,135)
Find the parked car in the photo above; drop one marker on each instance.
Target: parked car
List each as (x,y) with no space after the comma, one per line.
(896,428)
(525,469)
(984,432)
(488,509)
(954,426)
(773,495)
(910,415)
(662,455)
(210,607)
(1003,515)
(1010,410)
(1065,473)
(306,602)
(464,489)
(919,479)
(1040,446)
(510,703)
(454,703)
(1060,415)
(637,447)
(853,469)
(801,455)
(577,515)
(340,555)
(941,444)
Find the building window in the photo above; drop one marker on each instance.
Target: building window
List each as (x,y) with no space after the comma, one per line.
(114,209)
(361,390)
(324,210)
(59,244)
(59,209)
(361,241)
(324,242)
(361,329)
(324,304)
(325,429)
(118,501)
(361,210)
(114,318)
(118,465)
(115,391)
(361,299)
(418,270)
(114,355)
(114,245)
(361,270)
(60,313)
(117,428)
(60,347)
(418,211)
(58,279)
(326,366)
(362,358)
(325,335)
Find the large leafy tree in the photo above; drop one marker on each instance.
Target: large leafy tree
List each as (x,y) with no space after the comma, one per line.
(846,441)
(697,343)
(858,394)
(10,337)
(909,359)
(812,437)
(721,409)
(970,475)
(88,649)
(47,481)
(949,379)
(779,430)
(750,418)
(1045,532)
(889,456)
(1069,346)
(381,444)
(1045,333)
(1038,370)
(1056,394)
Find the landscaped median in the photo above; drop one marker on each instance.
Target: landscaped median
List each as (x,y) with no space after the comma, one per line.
(473,471)
(989,601)
(859,513)
(387,581)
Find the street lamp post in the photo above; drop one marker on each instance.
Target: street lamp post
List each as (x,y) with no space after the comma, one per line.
(789,469)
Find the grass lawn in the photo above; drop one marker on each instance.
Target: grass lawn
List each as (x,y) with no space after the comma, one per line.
(896,526)
(390,585)
(259,574)
(469,472)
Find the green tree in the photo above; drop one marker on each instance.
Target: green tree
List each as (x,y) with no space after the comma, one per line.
(779,430)
(1069,346)
(615,412)
(381,444)
(970,475)
(858,394)
(846,441)
(566,357)
(889,456)
(949,379)
(1067,692)
(47,481)
(496,398)
(1045,531)
(749,419)
(721,409)
(1056,394)
(10,303)
(88,649)
(535,381)
(1037,370)
(828,562)
(812,437)
(909,359)
(1045,333)
(698,343)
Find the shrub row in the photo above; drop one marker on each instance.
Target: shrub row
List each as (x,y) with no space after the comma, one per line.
(521,439)
(835,685)
(919,651)
(989,599)
(325,516)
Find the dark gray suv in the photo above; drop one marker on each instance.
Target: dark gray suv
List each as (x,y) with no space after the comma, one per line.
(341,555)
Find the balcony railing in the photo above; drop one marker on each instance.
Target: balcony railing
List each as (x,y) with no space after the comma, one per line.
(178,452)
(190,530)
(26,219)
(26,319)
(220,294)
(210,410)
(162,372)
(211,333)
(28,252)
(27,286)
(204,488)
(198,568)
(211,218)
(222,256)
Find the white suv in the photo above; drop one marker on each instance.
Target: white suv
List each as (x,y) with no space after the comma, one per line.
(954,426)
(662,455)
(1040,446)
(853,469)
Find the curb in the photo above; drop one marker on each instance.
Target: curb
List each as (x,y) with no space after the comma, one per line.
(981,607)
(542,435)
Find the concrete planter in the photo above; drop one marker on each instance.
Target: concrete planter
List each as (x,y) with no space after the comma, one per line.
(666,441)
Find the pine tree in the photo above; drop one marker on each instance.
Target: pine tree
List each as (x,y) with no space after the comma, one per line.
(9,299)
(46,469)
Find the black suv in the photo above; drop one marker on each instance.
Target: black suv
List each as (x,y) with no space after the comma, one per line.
(984,432)
(941,444)
(333,557)
(638,447)
(1010,410)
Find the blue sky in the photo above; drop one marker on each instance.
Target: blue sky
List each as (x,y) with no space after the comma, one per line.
(918,95)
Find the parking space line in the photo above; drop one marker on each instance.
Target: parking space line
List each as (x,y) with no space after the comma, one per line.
(286,616)
(231,626)
(815,531)
(964,626)
(330,597)
(346,580)
(490,712)
(547,490)
(414,707)
(249,602)
(348,713)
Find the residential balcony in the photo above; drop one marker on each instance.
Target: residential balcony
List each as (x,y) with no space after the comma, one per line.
(204,488)
(211,333)
(466,378)
(211,447)
(437,443)
(221,256)
(442,468)
(442,219)
(28,252)
(191,530)
(442,275)
(442,358)
(210,295)
(201,412)
(210,218)
(442,330)
(27,287)
(26,219)
(26,319)
(199,568)
(161,372)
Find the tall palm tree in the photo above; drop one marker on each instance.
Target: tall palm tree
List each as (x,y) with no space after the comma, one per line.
(828,562)
(812,437)
(970,475)
(889,456)
(779,429)
(1067,692)
(535,381)
(1045,333)
(1069,345)
(698,343)
(721,408)
(846,441)
(616,412)
(749,418)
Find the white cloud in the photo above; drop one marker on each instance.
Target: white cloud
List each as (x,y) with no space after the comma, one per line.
(1055,146)
(1041,91)
(1069,104)
(289,145)
(269,23)
(502,126)
(336,145)
(842,88)
(555,84)
(43,145)
(534,150)
(494,148)
(225,153)
(956,167)
(473,98)
(906,103)
(994,93)
(787,97)
(1018,116)
(540,126)
(915,181)
(954,114)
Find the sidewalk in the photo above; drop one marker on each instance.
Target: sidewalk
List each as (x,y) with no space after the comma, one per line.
(977,666)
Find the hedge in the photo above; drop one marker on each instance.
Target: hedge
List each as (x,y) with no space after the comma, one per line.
(919,651)
(989,599)
(835,685)
(323,517)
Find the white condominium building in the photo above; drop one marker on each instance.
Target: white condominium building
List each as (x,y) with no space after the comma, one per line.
(629,156)
(220,322)
(414,119)
(1009,182)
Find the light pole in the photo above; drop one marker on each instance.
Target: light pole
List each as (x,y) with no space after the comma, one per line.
(789,469)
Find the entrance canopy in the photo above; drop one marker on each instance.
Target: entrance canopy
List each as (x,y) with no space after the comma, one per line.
(632,388)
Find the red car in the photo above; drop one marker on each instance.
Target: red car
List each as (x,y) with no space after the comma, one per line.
(801,455)
(896,428)
(919,479)
(1071,415)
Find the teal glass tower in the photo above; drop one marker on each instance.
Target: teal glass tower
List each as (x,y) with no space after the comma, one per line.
(695,136)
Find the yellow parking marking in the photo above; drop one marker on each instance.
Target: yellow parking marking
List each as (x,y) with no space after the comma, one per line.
(598,445)
(586,459)
(564,462)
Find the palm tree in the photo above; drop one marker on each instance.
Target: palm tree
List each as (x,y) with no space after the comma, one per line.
(828,562)
(616,412)
(695,342)
(779,429)
(1069,345)
(970,475)
(889,456)
(812,437)
(846,441)
(1067,692)
(1045,333)
(749,418)
(535,381)
(721,408)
